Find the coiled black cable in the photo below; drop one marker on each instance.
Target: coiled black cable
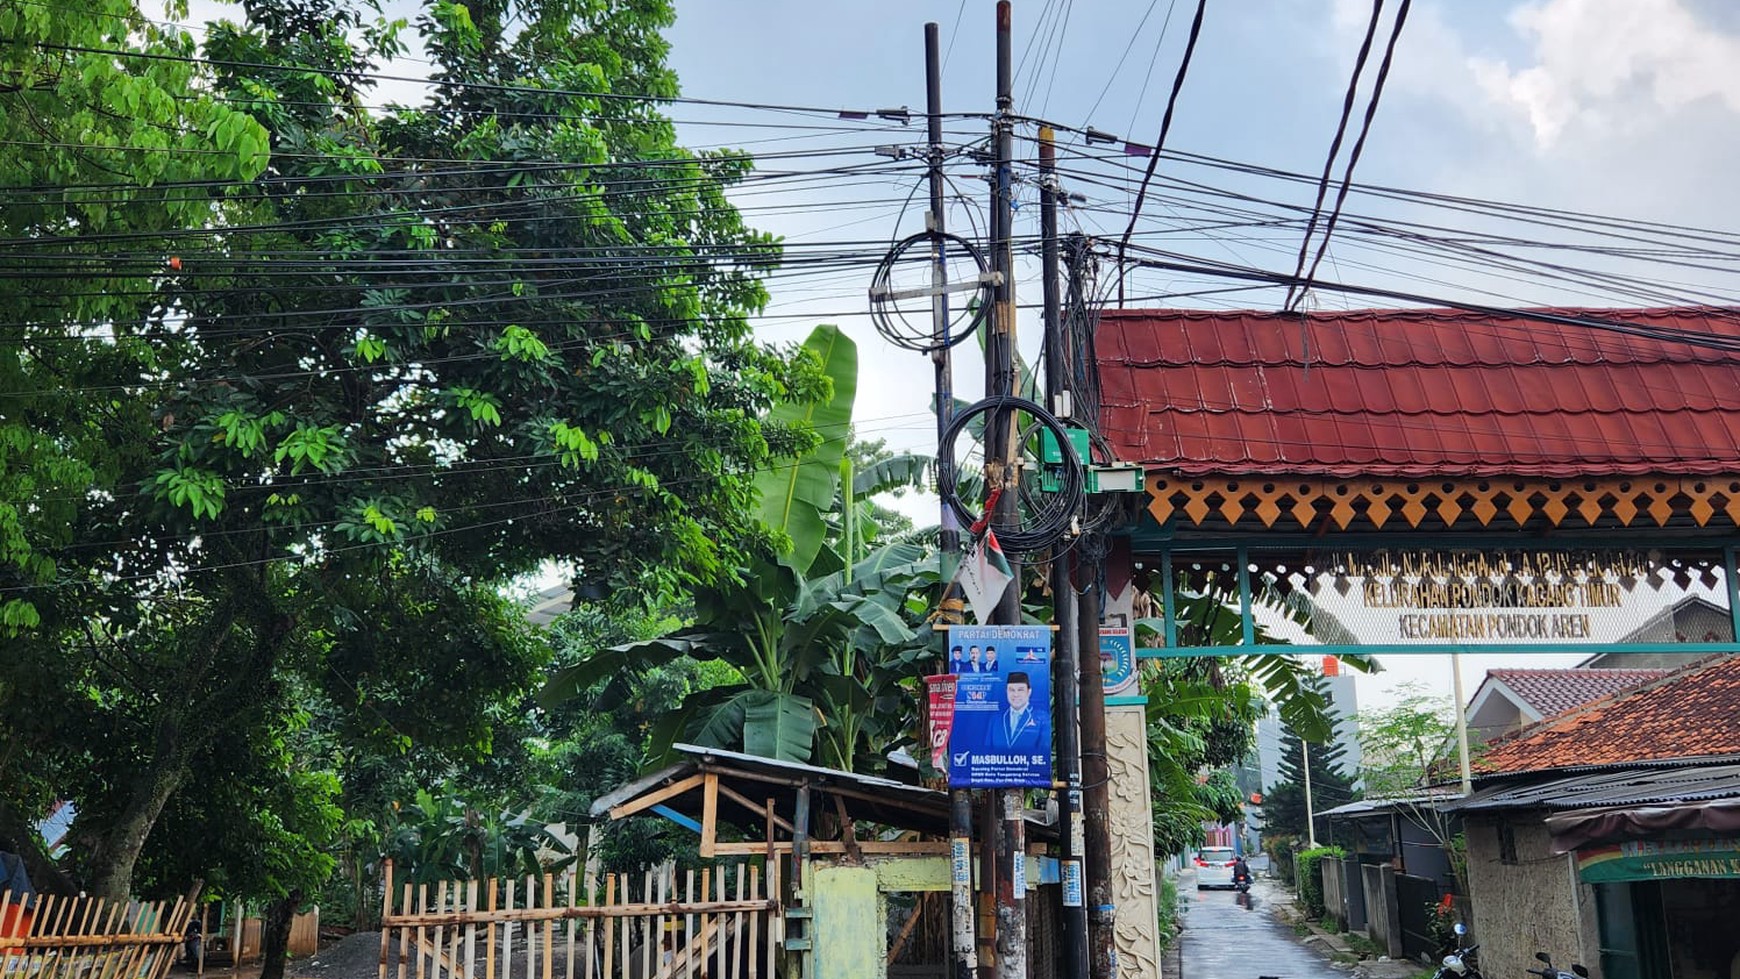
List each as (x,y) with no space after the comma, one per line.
(892,324)
(1056,516)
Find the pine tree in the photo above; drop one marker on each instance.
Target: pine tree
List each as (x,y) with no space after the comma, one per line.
(1331,786)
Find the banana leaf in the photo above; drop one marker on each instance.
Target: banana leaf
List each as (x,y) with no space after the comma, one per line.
(795,497)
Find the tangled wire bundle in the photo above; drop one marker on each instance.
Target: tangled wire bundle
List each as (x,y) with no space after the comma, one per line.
(892,323)
(1052,519)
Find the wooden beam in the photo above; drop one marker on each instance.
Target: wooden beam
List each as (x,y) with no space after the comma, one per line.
(654,798)
(765,812)
(709,813)
(910,848)
(848,830)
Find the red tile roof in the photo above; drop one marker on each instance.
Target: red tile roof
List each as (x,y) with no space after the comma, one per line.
(1552,691)
(1418,393)
(1690,713)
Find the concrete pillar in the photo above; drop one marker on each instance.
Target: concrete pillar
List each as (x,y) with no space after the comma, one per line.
(1132,819)
(849,923)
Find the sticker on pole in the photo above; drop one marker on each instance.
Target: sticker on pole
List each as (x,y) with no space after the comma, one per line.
(1117,660)
(1072,893)
(1001,736)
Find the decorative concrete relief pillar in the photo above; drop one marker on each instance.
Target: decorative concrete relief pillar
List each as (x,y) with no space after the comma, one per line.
(1132,821)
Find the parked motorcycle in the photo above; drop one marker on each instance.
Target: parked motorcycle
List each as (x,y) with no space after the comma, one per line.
(1548,972)
(1459,964)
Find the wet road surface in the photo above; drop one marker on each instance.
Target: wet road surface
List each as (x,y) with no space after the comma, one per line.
(1228,935)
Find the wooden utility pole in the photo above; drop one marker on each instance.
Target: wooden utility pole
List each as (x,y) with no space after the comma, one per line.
(962,938)
(1066,662)
(1095,773)
(1002,470)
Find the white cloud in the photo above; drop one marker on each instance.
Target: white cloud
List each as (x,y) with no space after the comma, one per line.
(1610,66)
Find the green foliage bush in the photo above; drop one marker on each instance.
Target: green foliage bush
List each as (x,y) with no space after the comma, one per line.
(1310,877)
(1281,850)
(1168,911)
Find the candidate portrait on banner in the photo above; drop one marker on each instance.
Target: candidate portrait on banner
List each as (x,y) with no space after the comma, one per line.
(1020,727)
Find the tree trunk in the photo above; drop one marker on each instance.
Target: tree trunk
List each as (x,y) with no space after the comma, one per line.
(117,852)
(275,934)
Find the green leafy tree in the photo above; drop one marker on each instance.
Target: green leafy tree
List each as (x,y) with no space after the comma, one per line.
(1403,745)
(819,645)
(319,438)
(113,136)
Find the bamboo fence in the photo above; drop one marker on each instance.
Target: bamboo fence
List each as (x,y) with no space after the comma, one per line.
(722,922)
(53,937)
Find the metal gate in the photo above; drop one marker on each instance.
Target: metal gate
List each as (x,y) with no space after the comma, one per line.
(1416,897)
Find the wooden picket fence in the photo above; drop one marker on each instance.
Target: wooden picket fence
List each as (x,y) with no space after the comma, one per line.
(51,937)
(721,922)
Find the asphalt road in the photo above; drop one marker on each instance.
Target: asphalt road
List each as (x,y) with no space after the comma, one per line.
(1228,935)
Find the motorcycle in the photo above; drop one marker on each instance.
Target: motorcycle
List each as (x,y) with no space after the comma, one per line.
(1548,972)
(1242,882)
(1460,963)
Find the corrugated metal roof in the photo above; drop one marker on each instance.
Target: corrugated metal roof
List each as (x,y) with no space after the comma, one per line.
(1596,790)
(1435,392)
(1365,806)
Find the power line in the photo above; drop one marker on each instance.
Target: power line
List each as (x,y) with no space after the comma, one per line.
(835,111)
(1165,126)
(1134,35)
(1377,93)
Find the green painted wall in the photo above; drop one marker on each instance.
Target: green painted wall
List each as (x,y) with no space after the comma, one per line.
(913,874)
(849,924)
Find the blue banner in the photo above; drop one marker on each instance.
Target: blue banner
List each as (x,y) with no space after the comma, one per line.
(1001,736)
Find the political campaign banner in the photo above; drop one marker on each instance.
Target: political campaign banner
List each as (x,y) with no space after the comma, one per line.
(942,718)
(1002,713)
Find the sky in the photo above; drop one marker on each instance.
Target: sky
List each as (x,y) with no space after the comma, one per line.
(1620,107)
(1615,107)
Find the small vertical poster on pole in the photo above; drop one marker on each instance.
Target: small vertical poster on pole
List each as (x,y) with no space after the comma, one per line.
(1001,726)
(942,718)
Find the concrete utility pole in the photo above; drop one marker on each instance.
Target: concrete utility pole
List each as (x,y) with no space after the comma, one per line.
(1310,820)
(1001,469)
(1064,666)
(962,938)
(1461,724)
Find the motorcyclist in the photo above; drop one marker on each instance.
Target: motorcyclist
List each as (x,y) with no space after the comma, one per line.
(1241,870)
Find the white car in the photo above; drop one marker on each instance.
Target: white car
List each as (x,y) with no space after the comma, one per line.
(1214,867)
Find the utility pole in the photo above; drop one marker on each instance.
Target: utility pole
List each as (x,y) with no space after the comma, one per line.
(1461,724)
(1001,470)
(962,938)
(1310,820)
(1058,356)
(1096,777)
(1095,819)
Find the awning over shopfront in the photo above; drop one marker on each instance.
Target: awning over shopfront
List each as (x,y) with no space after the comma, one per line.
(1635,824)
(1659,860)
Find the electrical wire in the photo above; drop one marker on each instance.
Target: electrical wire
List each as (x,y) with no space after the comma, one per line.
(1165,124)
(1377,93)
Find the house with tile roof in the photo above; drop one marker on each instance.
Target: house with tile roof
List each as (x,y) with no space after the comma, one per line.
(1617,824)
(1427,481)
(1508,700)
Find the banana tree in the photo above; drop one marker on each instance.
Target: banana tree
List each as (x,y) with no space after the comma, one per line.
(803,628)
